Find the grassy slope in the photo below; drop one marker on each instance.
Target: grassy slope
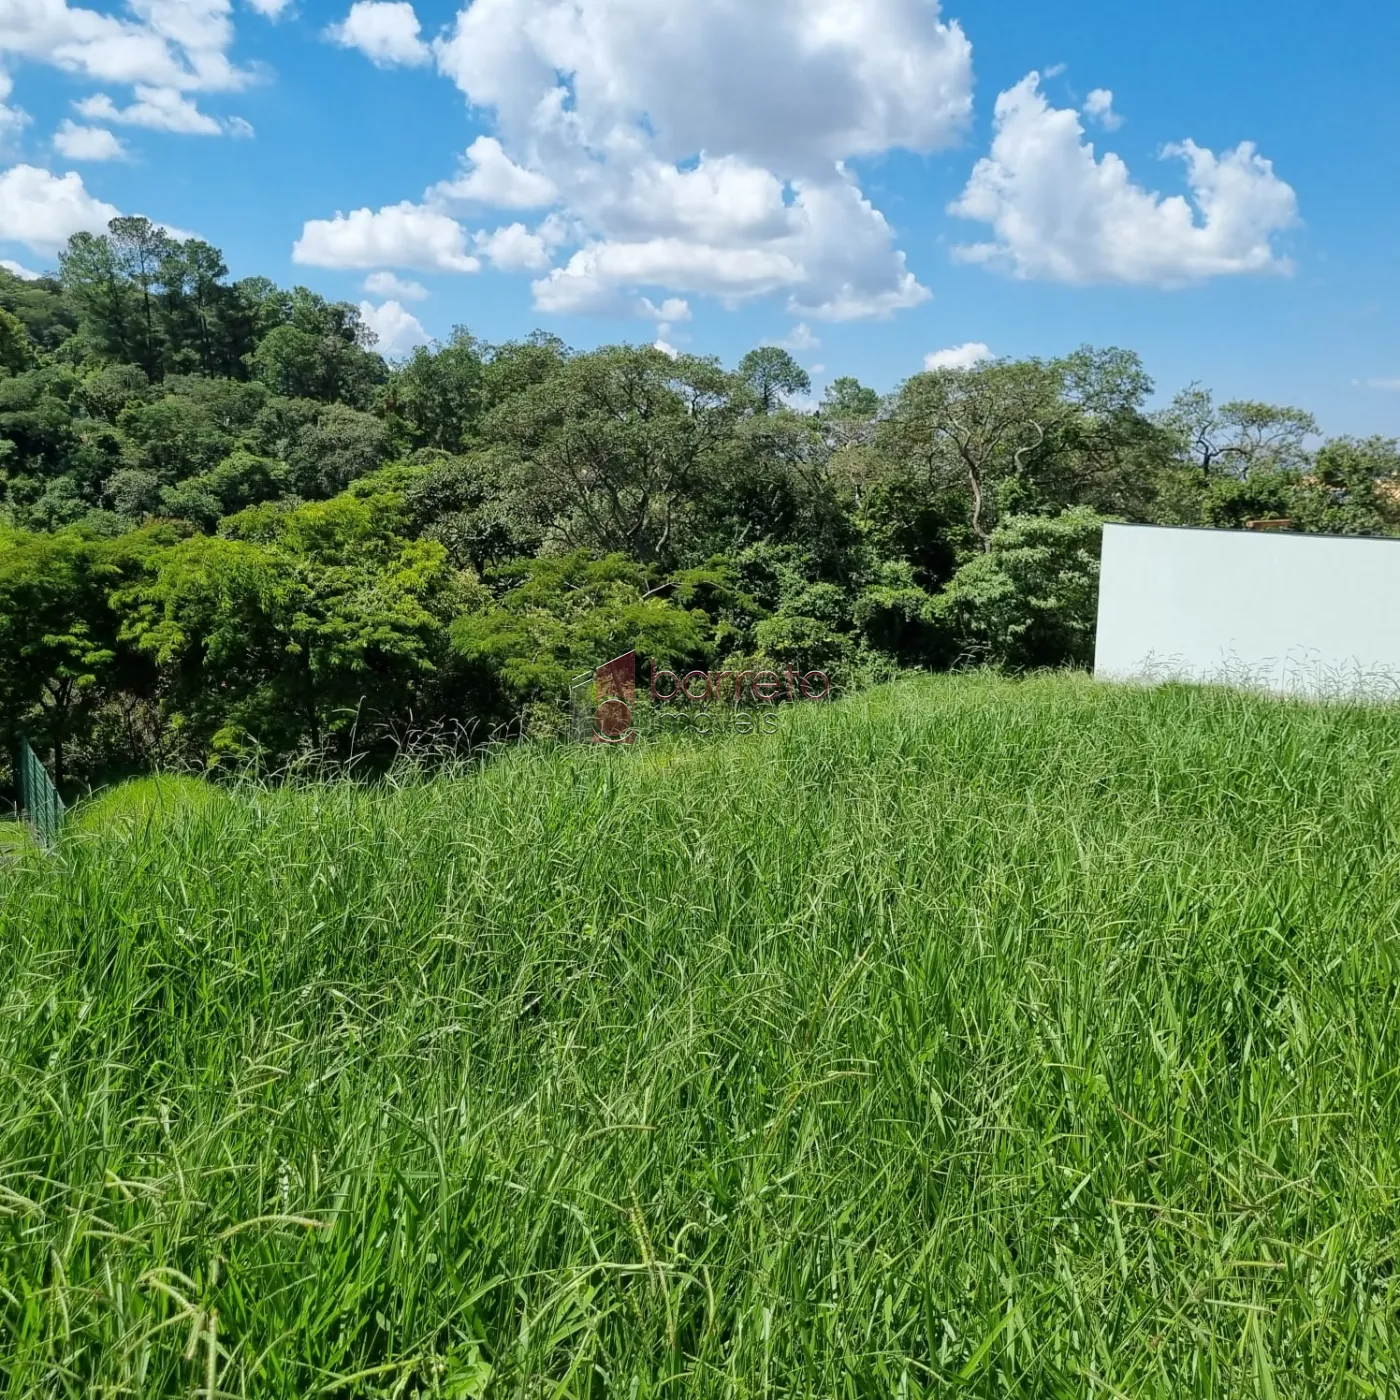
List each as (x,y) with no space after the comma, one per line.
(1039,1035)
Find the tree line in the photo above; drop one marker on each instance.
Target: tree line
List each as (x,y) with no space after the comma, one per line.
(230,531)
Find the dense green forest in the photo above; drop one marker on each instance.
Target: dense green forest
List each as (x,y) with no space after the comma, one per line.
(230,531)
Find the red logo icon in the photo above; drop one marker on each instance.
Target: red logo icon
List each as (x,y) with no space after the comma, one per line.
(614,689)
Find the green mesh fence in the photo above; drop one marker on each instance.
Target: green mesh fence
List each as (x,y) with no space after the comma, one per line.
(37,795)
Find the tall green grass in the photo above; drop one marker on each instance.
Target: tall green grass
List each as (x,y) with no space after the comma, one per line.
(15,836)
(970,1037)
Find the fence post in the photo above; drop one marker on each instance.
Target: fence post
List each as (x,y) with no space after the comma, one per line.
(38,796)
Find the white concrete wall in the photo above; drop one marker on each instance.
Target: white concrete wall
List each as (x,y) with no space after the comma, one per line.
(1316,614)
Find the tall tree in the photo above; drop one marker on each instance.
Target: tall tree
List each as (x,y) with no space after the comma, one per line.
(1103,450)
(56,637)
(17,351)
(43,309)
(1238,437)
(321,352)
(977,426)
(92,276)
(771,374)
(140,249)
(847,398)
(612,450)
(1352,488)
(270,642)
(519,365)
(847,418)
(192,282)
(438,392)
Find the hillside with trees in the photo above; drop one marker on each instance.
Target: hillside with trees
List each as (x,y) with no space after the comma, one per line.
(230,530)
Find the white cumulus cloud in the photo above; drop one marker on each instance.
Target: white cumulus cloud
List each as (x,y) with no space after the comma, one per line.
(387,32)
(719,231)
(490,177)
(667,313)
(385,284)
(398,235)
(87,142)
(19,270)
(42,210)
(854,271)
(273,9)
(180,44)
(13,120)
(397,329)
(783,83)
(802,338)
(702,147)
(595,277)
(514,248)
(974,352)
(1061,213)
(1099,106)
(158,109)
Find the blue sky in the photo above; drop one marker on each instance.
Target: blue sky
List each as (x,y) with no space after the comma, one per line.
(871,183)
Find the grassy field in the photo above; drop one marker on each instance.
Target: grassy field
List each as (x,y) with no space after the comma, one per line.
(15,837)
(970,1037)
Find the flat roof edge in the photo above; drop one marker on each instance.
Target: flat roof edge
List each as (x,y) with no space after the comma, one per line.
(1250,534)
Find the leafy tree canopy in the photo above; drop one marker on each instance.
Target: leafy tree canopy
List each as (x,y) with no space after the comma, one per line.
(229,527)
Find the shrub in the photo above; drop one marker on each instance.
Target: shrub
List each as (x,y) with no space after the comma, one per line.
(1031,599)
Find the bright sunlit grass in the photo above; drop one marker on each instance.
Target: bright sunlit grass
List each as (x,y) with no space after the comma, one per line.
(973,1036)
(15,837)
